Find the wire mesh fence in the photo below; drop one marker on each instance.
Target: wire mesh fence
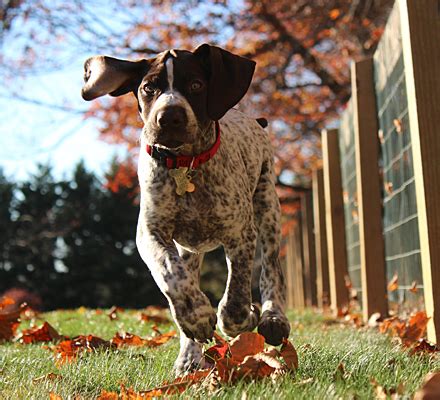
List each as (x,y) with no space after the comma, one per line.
(400,224)
(349,187)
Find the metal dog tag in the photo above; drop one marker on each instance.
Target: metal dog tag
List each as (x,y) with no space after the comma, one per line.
(182,178)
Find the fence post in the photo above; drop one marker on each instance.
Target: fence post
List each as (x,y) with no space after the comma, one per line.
(295,295)
(335,224)
(371,242)
(309,256)
(420,22)
(322,280)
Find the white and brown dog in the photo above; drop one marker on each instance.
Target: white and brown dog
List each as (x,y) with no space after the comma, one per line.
(206,177)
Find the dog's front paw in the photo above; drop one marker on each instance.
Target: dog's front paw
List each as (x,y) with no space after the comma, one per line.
(196,317)
(190,357)
(274,326)
(236,318)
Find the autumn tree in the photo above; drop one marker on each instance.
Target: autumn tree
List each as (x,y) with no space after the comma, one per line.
(302,48)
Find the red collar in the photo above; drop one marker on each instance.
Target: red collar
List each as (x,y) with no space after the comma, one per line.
(171,161)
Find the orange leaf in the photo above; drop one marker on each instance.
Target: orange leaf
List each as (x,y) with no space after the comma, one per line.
(45,333)
(9,322)
(257,366)
(335,13)
(67,350)
(393,284)
(107,395)
(6,301)
(246,344)
(53,396)
(158,319)
(416,326)
(413,288)
(179,385)
(430,388)
(289,355)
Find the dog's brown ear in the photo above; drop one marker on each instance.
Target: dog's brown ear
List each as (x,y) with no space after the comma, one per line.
(229,78)
(107,75)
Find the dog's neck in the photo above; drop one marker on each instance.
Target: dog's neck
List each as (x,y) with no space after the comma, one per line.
(205,140)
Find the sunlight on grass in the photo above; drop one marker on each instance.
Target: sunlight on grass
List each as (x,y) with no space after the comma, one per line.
(322,345)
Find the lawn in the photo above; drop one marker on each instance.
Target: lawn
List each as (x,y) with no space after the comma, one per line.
(335,361)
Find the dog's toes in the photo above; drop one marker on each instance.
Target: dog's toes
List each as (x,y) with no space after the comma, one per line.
(274,327)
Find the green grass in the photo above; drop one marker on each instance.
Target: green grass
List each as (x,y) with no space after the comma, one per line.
(321,346)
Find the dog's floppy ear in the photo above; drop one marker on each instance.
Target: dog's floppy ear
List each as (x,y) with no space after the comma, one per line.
(107,75)
(229,78)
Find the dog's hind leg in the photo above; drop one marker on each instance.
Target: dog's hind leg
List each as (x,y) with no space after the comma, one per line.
(274,325)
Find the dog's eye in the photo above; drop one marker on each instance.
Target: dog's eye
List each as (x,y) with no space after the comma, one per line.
(149,90)
(196,86)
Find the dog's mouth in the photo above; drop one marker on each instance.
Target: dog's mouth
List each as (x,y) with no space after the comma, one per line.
(171,143)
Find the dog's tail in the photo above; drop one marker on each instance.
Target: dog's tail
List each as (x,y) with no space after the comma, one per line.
(263,122)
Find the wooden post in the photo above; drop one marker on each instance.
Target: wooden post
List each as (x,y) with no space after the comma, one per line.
(335,224)
(371,243)
(290,270)
(322,282)
(309,256)
(420,24)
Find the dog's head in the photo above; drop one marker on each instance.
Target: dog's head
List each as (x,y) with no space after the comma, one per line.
(179,92)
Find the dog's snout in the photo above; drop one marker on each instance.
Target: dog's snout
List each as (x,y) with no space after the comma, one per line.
(172,117)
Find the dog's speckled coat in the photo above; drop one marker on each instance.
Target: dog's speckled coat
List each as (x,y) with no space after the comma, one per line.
(234,202)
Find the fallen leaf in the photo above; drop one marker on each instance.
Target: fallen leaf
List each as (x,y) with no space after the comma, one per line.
(48,377)
(374,319)
(217,352)
(53,396)
(67,350)
(108,395)
(246,344)
(179,385)
(413,288)
(158,319)
(289,355)
(423,346)
(430,389)
(393,284)
(113,312)
(388,187)
(6,301)
(398,125)
(416,327)
(9,322)
(129,339)
(45,333)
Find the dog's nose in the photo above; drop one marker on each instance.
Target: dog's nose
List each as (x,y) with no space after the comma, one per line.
(172,117)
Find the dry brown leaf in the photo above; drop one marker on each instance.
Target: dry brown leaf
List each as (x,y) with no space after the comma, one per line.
(51,376)
(9,322)
(430,389)
(374,319)
(289,355)
(158,319)
(45,333)
(54,396)
(67,350)
(113,312)
(398,125)
(393,284)
(105,395)
(416,327)
(129,339)
(423,346)
(413,288)
(6,301)
(246,344)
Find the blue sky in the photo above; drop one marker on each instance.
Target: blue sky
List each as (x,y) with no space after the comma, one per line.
(31,134)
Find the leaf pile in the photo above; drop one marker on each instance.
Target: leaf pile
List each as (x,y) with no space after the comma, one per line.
(243,358)
(9,320)
(409,331)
